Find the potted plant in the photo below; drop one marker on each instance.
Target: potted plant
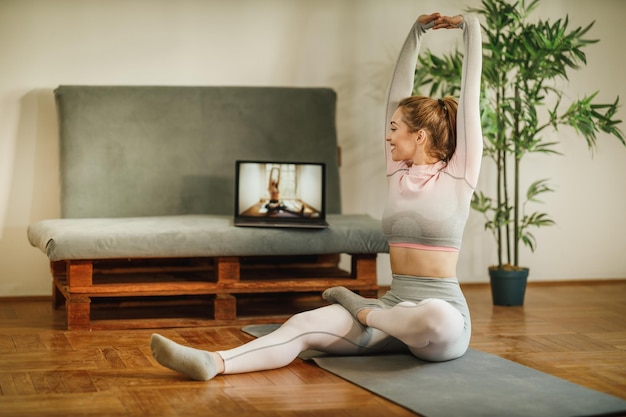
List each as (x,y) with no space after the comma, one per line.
(521,101)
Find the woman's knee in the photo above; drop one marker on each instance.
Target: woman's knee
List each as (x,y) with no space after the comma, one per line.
(303,321)
(445,323)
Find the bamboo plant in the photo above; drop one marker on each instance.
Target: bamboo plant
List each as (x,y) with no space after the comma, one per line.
(523,61)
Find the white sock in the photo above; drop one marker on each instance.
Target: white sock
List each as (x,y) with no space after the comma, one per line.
(196,364)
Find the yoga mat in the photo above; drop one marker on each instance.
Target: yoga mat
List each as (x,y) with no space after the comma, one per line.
(476,385)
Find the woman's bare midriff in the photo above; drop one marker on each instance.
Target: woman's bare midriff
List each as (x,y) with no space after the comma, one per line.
(423,263)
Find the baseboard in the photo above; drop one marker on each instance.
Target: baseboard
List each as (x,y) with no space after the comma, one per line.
(584,281)
(25,298)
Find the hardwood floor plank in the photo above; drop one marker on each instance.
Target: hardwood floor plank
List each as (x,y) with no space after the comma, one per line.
(49,382)
(152,403)
(112,356)
(64,405)
(133,357)
(78,381)
(575,343)
(111,338)
(6,344)
(50,361)
(18,383)
(55,341)
(28,343)
(313,374)
(126,379)
(616,339)
(207,400)
(303,397)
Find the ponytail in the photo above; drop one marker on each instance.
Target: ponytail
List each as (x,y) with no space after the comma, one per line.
(449,106)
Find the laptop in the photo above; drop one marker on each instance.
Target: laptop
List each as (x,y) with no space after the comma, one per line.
(280,194)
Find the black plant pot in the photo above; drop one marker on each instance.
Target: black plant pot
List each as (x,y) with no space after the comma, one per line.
(508,287)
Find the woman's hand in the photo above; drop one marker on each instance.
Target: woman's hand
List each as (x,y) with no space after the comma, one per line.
(440,22)
(425,19)
(448,22)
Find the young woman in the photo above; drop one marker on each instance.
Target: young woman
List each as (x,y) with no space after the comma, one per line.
(433,150)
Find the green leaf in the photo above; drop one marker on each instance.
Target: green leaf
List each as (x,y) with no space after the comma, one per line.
(537,188)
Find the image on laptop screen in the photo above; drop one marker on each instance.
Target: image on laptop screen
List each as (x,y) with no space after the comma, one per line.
(280,194)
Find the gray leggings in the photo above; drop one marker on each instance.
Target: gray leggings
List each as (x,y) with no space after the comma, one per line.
(413,291)
(429,316)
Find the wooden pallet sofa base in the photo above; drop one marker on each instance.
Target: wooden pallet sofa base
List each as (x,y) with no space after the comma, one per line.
(201,255)
(77,282)
(147,177)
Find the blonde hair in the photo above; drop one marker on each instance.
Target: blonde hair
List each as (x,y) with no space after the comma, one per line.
(437,117)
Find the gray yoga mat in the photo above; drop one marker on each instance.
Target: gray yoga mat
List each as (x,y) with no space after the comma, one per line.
(476,385)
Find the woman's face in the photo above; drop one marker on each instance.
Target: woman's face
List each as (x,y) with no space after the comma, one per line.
(403,142)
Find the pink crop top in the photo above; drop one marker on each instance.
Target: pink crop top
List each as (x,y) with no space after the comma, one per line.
(428,205)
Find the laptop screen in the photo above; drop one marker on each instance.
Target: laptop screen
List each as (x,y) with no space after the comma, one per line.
(280,192)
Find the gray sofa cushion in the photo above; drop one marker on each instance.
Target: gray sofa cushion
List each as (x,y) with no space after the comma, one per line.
(198,236)
(130,151)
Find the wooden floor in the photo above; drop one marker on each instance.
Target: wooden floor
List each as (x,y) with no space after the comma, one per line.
(575,331)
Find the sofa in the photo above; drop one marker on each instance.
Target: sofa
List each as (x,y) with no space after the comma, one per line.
(147,194)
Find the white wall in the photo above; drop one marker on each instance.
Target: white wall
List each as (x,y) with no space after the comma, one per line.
(349,45)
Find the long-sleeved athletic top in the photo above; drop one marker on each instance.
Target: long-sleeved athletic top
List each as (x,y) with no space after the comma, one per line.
(428,205)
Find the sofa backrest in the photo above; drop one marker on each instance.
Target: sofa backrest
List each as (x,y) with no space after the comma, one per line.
(130,151)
